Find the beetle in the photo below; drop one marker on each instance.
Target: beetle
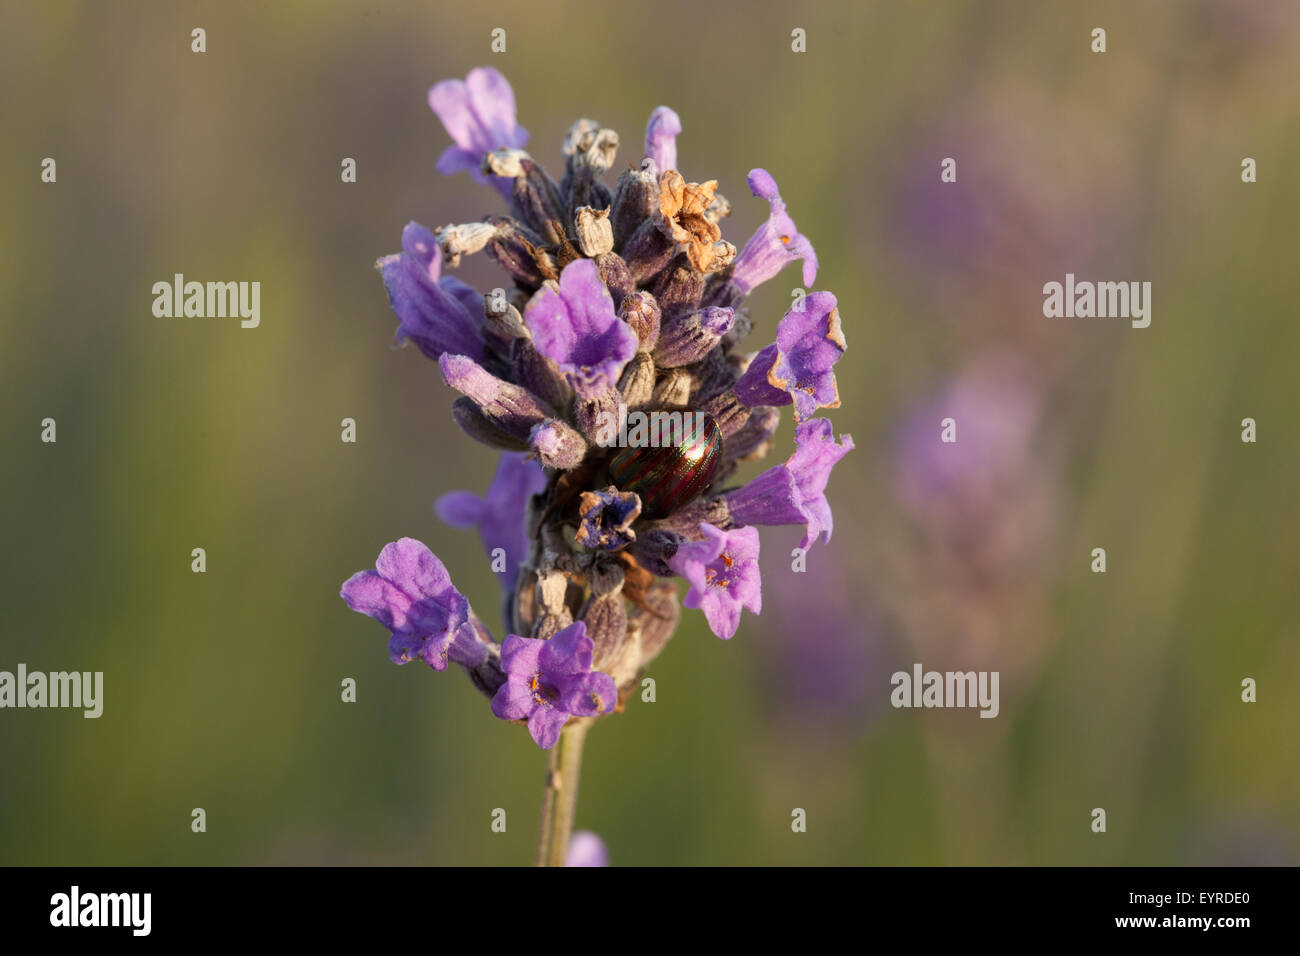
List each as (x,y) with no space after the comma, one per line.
(669,463)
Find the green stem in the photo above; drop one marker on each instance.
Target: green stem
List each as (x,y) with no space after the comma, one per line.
(560,798)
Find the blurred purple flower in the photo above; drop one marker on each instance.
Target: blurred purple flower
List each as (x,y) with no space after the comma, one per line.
(587,849)
(824,649)
(975,558)
(479,115)
(1005,217)
(499,514)
(995,407)
(437,313)
(411,594)
(547,682)
(1234,32)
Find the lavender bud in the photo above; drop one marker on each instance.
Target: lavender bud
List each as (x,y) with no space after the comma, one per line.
(739,329)
(518,250)
(480,428)
(722,292)
(606,620)
(728,411)
(654,548)
(636,197)
(594,232)
(614,273)
(638,381)
(594,415)
(674,388)
(579,133)
(513,409)
(456,241)
(605,614)
(679,286)
(535,372)
(502,322)
(589,152)
(536,198)
(686,520)
(553,610)
(715,374)
(558,444)
(647,251)
(595,151)
(754,438)
(659,623)
(640,310)
(523,613)
(686,339)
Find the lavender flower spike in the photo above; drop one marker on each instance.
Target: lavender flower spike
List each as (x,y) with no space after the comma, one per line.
(723,574)
(547,682)
(411,594)
(624,297)
(794,493)
(499,515)
(579,330)
(479,115)
(775,243)
(798,368)
(433,310)
(661,134)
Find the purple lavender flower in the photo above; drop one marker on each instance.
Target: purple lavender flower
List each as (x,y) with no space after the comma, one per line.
(982,516)
(661,134)
(499,514)
(437,314)
(547,682)
(823,646)
(723,574)
(607,518)
(798,367)
(623,296)
(579,330)
(587,849)
(479,115)
(795,493)
(776,243)
(411,594)
(996,406)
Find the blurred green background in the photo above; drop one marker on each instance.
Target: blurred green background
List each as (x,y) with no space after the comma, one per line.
(222,690)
